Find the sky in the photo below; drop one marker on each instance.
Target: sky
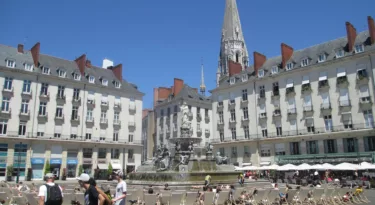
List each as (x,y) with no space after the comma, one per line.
(157,41)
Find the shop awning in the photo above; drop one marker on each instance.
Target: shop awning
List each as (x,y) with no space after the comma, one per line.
(265,163)
(116,166)
(102,166)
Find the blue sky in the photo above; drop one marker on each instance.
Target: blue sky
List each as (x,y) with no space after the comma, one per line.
(159,40)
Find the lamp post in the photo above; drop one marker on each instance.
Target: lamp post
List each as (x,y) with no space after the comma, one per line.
(18,164)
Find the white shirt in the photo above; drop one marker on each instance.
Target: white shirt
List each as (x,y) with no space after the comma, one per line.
(120,190)
(43,190)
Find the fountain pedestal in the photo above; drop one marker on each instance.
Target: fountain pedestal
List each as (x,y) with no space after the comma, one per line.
(209,156)
(183,168)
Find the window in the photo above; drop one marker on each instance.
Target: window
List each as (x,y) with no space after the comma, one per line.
(76,76)
(130,137)
(293,125)
(279,129)
(75,113)
(221,117)
(59,112)
(264,129)
(87,152)
(330,146)
(233,131)
(175,109)
(60,91)
(40,130)
(29,67)
(340,53)
(8,83)
(344,97)
(246,131)
(11,63)
(169,111)
(102,153)
(115,136)
(328,122)
(117,84)
(25,106)
(103,134)
(245,113)
(162,113)
(116,118)
(304,62)
(232,81)
(115,153)
(275,89)
(322,58)
(42,108)
(5,104)
(359,48)
(130,153)
(88,133)
(73,132)
(105,82)
(244,77)
(265,150)
(3,127)
(221,134)
(26,88)
(234,151)
(233,115)
(369,119)
(76,94)
(244,95)
(246,151)
(61,73)
(275,70)
(89,115)
(294,148)
(45,70)
(44,89)
(369,143)
(262,91)
(310,125)
(103,116)
(289,66)
(261,73)
(280,149)
(312,147)
(350,144)
(91,79)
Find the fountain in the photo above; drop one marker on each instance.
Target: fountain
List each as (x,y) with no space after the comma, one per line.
(183,165)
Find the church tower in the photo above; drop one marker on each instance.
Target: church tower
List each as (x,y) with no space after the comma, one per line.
(202,87)
(233,46)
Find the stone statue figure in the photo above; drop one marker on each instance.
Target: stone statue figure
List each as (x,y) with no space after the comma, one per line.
(185,124)
(184,159)
(209,148)
(220,159)
(162,159)
(191,146)
(177,147)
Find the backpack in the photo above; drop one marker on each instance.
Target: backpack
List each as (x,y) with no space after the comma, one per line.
(54,195)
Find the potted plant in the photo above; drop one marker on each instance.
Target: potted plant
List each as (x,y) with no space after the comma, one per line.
(29,174)
(9,172)
(80,170)
(47,168)
(64,174)
(109,172)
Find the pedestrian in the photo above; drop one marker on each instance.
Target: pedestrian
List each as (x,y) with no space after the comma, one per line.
(120,196)
(102,195)
(207,180)
(91,195)
(50,193)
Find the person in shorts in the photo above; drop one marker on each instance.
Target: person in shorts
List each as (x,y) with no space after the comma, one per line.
(120,196)
(45,192)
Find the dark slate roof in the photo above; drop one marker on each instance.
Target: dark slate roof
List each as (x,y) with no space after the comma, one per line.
(54,63)
(188,93)
(329,48)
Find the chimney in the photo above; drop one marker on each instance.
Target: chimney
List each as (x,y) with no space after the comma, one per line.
(178,84)
(35,51)
(88,64)
(107,63)
(117,71)
(20,48)
(81,63)
(234,68)
(286,54)
(156,95)
(371,29)
(259,60)
(351,33)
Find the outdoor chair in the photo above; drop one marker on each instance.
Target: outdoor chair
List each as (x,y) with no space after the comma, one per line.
(68,198)
(5,196)
(150,199)
(302,195)
(190,199)
(291,197)
(31,198)
(273,196)
(223,197)
(176,198)
(237,193)
(260,196)
(318,196)
(329,196)
(209,198)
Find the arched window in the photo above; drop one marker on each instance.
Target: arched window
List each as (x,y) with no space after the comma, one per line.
(237,57)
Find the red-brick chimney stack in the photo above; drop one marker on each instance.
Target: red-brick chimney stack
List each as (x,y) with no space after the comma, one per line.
(351,33)
(234,68)
(286,54)
(35,51)
(20,48)
(371,29)
(259,60)
(81,63)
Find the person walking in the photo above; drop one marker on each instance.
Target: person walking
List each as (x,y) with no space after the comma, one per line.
(207,180)
(103,197)
(91,195)
(120,196)
(50,193)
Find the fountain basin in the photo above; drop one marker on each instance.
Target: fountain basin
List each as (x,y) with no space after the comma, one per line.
(216,176)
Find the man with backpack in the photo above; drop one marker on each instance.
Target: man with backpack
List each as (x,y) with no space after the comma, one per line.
(50,193)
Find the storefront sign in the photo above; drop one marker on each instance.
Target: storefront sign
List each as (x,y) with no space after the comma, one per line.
(3,160)
(102,161)
(37,160)
(55,161)
(87,161)
(2,165)
(72,161)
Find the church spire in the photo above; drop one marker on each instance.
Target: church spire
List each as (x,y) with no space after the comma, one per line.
(233,46)
(202,87)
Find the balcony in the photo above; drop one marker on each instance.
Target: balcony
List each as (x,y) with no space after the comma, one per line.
(132,107)
(277,113)
(90,103)
(161,121)
(199,117)
(245,119)
(365,101)
(44,96)
(175,117)
(117,106)
(308,108)
(342,81)
(232,121)
(131,124)
(231,103)
(59,118)
(306,88)
(6,113)
(263,115)
(207,118)
(76,101)
(344,103)
(167,119)
(325,107)
(262,95)
(90,120)
(26,94)
(354,157)
(290,91)
(323,84)
(207,133)
(220,124)
(276,93)
(244,101)
(60,99)
(104,105)
(24,115)
(43,116)
(103,121)
(8,91)
(190,115)
(74,119)
(199,130)
(220,106)
(117,123)
(362,77)
(292,111)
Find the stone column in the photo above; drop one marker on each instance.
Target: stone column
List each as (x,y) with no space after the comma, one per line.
(340,145)
(361,145)
(321,146)
(302,148)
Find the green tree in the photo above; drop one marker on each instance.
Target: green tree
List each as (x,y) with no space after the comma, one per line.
(10,170)
(47,168)
(80,170)
(110,169)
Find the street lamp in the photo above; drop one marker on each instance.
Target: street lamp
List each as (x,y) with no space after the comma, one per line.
(18,164)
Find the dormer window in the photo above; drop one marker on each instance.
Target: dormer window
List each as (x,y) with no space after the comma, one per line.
(76,76)
(46,70)
(340,53)
(11,63)
(29,67)
(117,84)
(91,79)
(305,62)
(359,48)
(244,77)
(289,66)
(261,73)
(322,58)
(275,69)
(232,81)
(105,82)
(61,73)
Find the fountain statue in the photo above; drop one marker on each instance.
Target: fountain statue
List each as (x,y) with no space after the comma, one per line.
(221,160)
(185,123)
(177,147)
(162,158)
